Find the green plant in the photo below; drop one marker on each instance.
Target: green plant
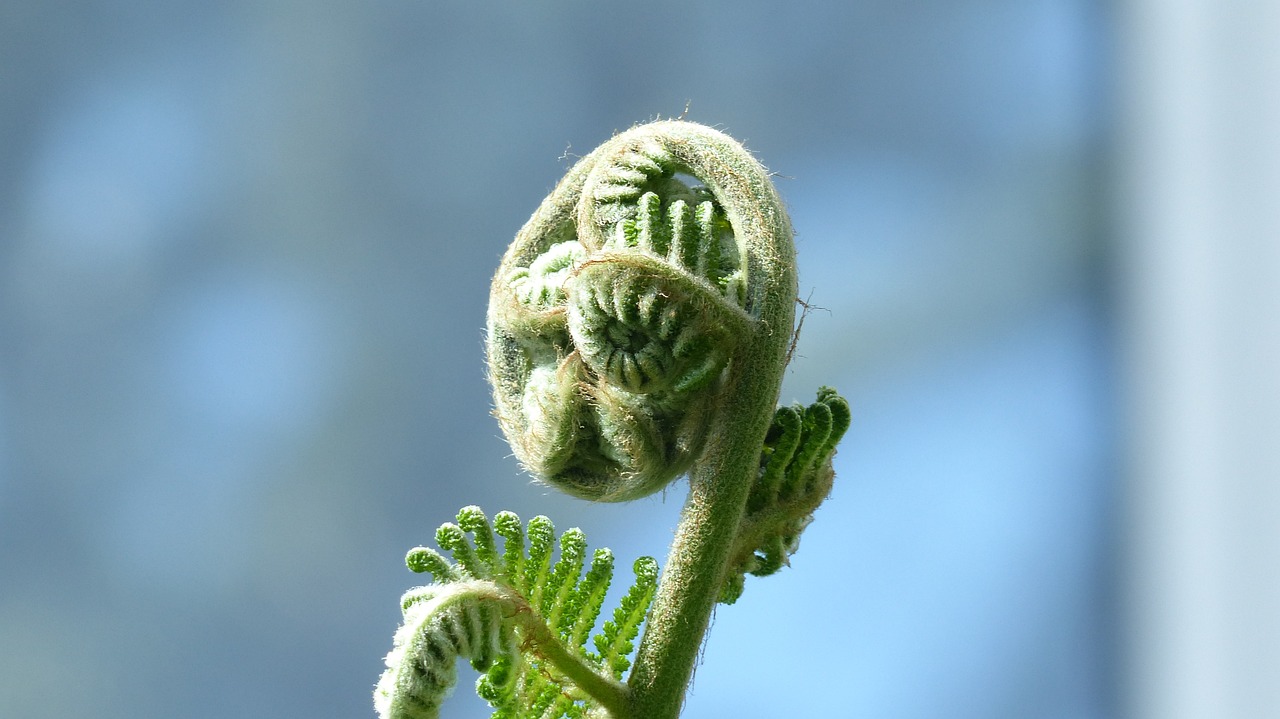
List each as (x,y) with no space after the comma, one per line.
(639,326)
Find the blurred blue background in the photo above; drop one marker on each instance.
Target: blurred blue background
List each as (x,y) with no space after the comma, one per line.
(244,259)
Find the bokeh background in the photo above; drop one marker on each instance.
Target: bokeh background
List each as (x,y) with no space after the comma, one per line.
(244,257)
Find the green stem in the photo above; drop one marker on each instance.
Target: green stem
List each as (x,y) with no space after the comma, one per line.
(696,566)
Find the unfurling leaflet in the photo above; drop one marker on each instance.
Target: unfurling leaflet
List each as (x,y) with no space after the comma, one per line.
(522,619)
(795,477)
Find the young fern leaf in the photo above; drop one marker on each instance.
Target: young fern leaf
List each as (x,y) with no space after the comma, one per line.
(521,620)
(638,330)
(612,321)
(795,477)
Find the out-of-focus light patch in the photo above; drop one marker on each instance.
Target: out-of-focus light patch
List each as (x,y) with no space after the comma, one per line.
(45,641)
(1060,45)
(6,447)
(183,526)
(914,253)
(870,220)
(119,165)
(896,233)
(1026,73)
(955,562)
(247,355)
(247,362)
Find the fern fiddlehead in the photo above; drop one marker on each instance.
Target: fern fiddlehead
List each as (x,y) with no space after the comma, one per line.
(612,320)
(638,329)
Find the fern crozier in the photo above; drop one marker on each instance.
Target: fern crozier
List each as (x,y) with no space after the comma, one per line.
(614,317)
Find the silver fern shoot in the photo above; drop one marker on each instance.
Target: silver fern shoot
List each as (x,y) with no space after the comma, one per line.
(638,329)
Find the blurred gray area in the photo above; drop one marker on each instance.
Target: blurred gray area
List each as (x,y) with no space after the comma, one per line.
(244,260)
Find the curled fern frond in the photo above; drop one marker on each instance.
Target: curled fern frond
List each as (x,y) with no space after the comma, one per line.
(521,616)
(441,624)
(795,477)
(616,312)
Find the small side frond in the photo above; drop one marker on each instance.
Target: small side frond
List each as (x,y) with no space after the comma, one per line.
(795,477)
(520,618)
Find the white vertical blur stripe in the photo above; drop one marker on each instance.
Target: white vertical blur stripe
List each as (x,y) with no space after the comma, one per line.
(1199,216)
